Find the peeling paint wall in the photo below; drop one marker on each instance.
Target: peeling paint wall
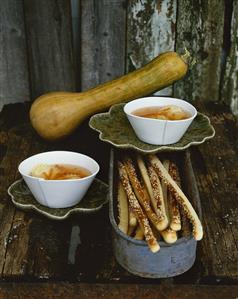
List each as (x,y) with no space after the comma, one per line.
(200,30)
(113,37)
(230,82)
(150,31)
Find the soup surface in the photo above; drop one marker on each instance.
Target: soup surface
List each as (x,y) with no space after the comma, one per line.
(59,171)
(170,112)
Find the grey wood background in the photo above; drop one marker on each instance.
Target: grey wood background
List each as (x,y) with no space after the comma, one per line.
(49,45)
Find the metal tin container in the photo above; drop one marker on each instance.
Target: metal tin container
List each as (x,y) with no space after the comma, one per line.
(134,255)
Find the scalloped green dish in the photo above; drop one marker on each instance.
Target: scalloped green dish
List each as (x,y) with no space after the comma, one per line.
(95,198)
(114,128)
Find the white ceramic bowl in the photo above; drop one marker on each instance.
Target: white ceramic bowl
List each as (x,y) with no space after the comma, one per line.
(156,131)
(58,193)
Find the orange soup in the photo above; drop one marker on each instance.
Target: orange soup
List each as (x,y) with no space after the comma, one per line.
(59,171)
(170,112)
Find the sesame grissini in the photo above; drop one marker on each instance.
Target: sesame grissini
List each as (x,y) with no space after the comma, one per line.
(146,179)
(137,210)
(139,234)
(173,207)
(179,195)
(158,195)
(140,193)
(123,211)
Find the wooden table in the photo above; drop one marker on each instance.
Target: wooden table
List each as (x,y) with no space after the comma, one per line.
(74,258)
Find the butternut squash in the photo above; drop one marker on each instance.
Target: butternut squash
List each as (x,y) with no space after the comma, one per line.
(55,115)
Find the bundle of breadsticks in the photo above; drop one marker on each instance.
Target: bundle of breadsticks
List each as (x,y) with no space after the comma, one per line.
(151,204)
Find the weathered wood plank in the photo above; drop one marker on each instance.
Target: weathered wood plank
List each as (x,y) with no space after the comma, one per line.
(216,170)
(95,246)
(49,39)
(8,165)
(6,218)
(102,41)
(48,249)
(230,84)
(40,247)
(115,291)
(14,83)
(150,31)
(200,30)
(36,258)
(15,260)
(75,8)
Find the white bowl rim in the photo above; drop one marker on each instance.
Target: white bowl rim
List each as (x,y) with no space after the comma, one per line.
(161,120)
(60,181)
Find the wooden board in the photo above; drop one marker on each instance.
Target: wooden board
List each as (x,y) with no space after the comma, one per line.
(102,41)
(14,83)
(150,31)
(49,41)
(34,248)
(199,28)
(115,291)
(216,165)
(230,83)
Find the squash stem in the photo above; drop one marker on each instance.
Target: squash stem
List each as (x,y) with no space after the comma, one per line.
(187,58)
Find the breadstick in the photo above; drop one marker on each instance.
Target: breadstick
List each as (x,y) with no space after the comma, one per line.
(132,219)
(127,220)
(137,210)
(175,219)
(184,223)
(179,195)
(139,234)
(158,195)
(140,193)
(165,189)
(169,235)
(122,209)
(146,179)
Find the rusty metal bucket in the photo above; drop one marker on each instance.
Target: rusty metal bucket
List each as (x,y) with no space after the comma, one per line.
(135,256)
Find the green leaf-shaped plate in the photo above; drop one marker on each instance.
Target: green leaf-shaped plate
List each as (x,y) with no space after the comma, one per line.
(115,129)
(93,201)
